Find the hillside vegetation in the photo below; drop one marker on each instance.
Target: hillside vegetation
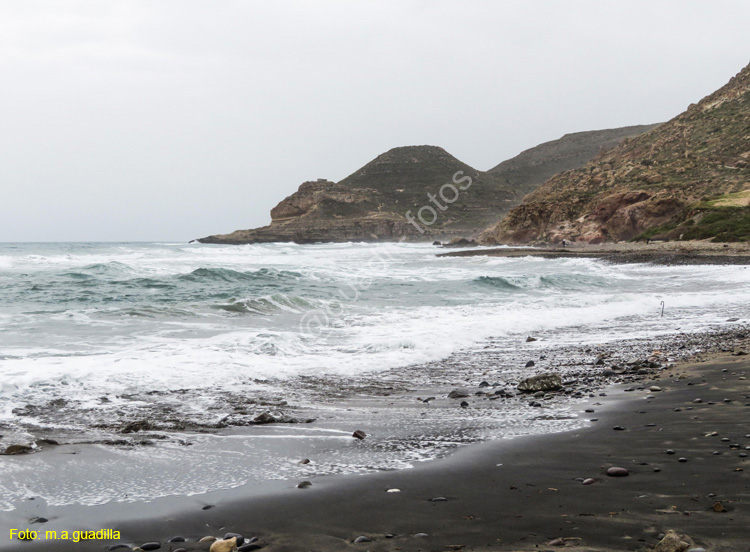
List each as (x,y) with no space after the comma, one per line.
(659,183)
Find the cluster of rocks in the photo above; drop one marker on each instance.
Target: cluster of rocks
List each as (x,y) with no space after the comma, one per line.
(596,368)
(231,542)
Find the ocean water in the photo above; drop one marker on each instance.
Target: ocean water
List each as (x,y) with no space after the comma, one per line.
(96,335)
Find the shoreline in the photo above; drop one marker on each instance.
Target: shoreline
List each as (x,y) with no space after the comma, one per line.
(484,500)
(660,253)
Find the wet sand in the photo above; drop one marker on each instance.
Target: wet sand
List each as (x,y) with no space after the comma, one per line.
(521,494)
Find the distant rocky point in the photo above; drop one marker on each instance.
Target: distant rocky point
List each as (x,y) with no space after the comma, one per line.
(421,193)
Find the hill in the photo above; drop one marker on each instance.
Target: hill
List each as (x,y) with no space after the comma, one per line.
(420,193)
(689,177)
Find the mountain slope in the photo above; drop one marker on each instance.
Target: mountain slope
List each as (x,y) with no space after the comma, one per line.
(532,167)
(374,202)
(669,181)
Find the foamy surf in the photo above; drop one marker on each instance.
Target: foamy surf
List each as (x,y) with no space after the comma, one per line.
(95,336)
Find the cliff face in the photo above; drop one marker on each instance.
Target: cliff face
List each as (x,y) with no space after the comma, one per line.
(670,181)
(420,193)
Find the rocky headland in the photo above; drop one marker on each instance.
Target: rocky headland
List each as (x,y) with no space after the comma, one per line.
(421,193)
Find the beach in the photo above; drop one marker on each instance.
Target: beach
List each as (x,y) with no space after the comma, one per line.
(394,276)
(523,493)
(470,460)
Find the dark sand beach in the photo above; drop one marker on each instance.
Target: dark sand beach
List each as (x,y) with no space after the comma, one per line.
(525,493)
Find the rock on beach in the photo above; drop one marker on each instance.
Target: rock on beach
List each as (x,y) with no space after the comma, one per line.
(542,382)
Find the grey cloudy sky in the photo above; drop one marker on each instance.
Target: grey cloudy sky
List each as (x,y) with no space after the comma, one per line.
(174,119)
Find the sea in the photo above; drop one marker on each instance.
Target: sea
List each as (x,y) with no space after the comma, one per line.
(189,342)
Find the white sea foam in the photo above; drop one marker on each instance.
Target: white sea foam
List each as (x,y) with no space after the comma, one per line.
(90,321)
(415,308)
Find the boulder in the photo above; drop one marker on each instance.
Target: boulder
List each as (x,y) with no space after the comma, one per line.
(265,418)
(672,542)
(18,449)
(542,382)
(458,393)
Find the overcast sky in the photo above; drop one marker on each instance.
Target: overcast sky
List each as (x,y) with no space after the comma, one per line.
(172,120)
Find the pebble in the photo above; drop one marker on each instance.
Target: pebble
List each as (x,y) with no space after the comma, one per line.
(118,547)
(359,434)
(393,491)
(207,507)
(304,484)
(362,538)
(439,499)
(227,545)
(589,481)
(654,389)
(669,451)
(249,547)
(421,535)
(530,363)
(150,546)
(240,538)
(682,459)
(464,404)
(208,539)
(177,539)
(618,428)
(617,472)
(697,550)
